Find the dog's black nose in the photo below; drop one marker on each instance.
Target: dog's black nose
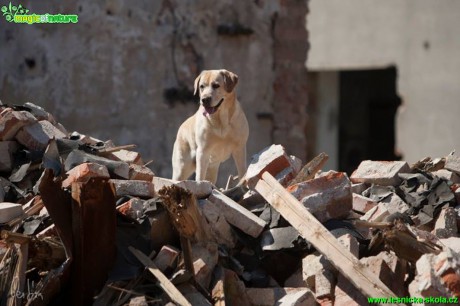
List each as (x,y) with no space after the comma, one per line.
(206,101)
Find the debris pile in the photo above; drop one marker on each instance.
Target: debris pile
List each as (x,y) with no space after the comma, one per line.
(86,222)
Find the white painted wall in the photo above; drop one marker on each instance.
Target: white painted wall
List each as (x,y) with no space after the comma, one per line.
(421,38)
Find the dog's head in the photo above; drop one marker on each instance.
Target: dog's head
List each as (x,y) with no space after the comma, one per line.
(214,86)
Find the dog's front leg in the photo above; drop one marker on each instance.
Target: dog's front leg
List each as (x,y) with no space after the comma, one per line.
(239,156)
(202,163)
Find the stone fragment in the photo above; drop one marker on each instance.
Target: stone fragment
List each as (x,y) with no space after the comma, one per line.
(362,204)
(133,188)
(83,172)
(12,121)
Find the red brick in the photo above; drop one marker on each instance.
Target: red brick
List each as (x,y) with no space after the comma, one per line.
(83,172)
(326,197)
(383,173)
(237,215)
(142,173)
(133,208)
(272,159)
(362,204)
(36,136)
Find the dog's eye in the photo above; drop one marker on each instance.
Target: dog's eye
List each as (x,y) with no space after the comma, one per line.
(215,85)
(201,86)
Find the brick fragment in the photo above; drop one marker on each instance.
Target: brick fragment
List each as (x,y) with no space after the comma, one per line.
(12,121)
(437,275)
(272,159)
(83,172)
(166,258)
(453,163)
(383,173)
(130,157)
(133,188)
(350,243)
(377,214)
(326,197)
(394,204)
(139,172)
(447,175)
(134,208)
(237,215)
(9,211)
(36,136)
(362,204)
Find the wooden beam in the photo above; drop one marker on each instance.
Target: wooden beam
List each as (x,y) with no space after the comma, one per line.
(164,282)
(313,231)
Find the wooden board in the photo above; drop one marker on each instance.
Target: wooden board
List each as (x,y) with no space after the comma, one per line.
(312,230)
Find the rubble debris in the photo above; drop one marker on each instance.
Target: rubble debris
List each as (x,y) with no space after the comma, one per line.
(94,224)
(379,172)
(9,211)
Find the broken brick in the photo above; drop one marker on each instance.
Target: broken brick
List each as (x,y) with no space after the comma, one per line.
(362,204)
(453,163)
(141,173)
(126,156)
(383,173)
(36,136)
(219,225)
(377,214)
(133,208)
(272,159)
(447,175)
(204,260)
(12,121)
(83,172)
(326,197)
(201,189)
(237,215)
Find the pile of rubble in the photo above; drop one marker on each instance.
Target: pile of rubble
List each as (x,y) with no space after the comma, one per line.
(86,222)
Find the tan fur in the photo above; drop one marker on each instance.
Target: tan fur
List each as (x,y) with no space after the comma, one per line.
(205,141)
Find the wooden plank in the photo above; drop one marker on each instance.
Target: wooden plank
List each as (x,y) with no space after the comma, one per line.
(309,170)
(164,282)
(312,230)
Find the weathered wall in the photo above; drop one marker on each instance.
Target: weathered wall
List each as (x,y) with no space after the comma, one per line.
(125,71)
(419,37)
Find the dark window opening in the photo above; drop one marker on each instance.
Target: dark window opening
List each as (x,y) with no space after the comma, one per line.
(368,104)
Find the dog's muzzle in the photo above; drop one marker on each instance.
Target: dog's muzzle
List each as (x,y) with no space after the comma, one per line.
(209,110)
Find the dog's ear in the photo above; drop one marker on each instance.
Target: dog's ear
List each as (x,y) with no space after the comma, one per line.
(230,80)
(197,82)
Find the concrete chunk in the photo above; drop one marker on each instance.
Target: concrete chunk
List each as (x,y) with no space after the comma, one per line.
(272,159)
(237,215)
(133,188)
(12,121)
(9,211)
(326,197)
(383,173)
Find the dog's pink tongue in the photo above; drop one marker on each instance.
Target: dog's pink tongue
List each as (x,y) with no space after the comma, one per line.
(209,110)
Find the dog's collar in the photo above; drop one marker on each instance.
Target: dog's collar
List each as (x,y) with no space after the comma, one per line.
(213,109)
